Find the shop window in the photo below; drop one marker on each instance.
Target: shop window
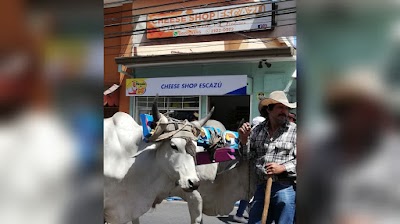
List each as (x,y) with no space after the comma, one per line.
(179,107)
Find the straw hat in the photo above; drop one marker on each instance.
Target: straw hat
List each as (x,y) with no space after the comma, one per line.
(274,98)
(357,84)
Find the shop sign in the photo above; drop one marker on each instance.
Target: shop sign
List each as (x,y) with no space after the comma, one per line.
(187,86)
(206,21)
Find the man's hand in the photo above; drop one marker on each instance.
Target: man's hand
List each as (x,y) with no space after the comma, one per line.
(274,168)
(244,132)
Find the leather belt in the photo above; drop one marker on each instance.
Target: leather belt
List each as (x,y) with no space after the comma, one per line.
(291,181)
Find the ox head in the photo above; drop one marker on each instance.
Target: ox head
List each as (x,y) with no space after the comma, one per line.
(175,153)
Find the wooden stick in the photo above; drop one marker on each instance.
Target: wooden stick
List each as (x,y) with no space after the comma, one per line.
(267,199)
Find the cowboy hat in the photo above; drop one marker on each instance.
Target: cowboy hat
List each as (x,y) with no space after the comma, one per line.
(274,98)
(357,84)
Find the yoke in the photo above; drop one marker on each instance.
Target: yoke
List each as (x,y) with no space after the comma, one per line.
(219,146)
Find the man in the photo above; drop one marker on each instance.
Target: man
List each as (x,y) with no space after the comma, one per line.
(38,153)
(272,147)
(350,173)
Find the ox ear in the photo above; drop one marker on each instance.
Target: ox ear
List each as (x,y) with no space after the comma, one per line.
(203,121)
(138,153)
(150,147)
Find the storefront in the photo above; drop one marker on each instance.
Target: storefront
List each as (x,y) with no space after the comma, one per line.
(188,89)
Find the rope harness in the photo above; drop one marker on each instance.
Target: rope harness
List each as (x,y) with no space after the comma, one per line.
(181,129)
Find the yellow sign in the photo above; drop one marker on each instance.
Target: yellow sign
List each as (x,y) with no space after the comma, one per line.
(135,87)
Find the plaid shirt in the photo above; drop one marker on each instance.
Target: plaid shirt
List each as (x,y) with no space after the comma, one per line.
(280,148)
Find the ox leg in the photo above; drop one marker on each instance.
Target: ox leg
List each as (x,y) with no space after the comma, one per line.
(195,203)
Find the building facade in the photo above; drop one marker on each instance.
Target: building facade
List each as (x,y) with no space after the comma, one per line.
(267,62)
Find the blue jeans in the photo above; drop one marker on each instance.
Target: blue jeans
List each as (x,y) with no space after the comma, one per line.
(242,206)
(281,208)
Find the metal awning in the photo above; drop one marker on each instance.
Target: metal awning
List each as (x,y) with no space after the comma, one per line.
(273,54)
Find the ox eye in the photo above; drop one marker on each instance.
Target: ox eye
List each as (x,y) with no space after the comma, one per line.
(174,146)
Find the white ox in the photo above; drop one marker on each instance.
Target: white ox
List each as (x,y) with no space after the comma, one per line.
(220,187)
(135,173)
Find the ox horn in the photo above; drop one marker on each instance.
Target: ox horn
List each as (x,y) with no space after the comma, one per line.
(203,121)
(160,121)
(154,110)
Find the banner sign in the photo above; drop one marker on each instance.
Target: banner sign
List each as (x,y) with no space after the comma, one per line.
(187,86)
(206,21)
